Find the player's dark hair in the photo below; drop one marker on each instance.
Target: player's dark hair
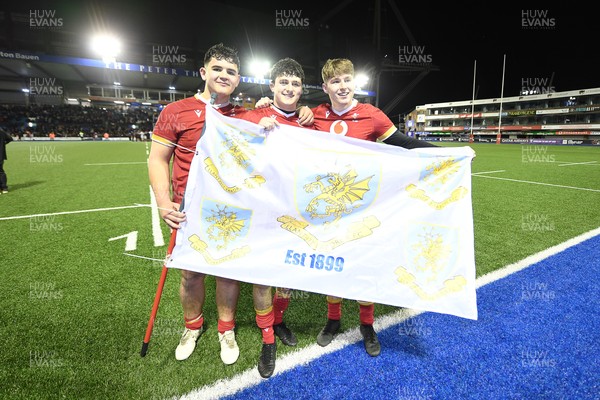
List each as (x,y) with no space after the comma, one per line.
(287,67)
(222,52)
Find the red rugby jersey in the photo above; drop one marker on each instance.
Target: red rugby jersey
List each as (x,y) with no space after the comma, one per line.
(272,112)
(362,121)
(180,126)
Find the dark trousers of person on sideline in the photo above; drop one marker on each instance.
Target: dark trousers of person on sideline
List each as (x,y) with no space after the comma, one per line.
(3,179)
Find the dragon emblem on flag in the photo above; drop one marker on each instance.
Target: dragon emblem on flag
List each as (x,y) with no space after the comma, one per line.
(332,204)
(224,226)
(235,151)
(338,197)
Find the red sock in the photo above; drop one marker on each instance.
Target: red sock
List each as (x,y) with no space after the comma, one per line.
(334,308)
(224,326)
(367,314)
(194,323)
(280,304)
(264,320)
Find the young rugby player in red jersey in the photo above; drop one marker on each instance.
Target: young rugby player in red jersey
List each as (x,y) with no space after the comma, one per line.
(286,84)
(175,135)
(346,116)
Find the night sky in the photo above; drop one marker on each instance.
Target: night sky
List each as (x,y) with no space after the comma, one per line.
(552,48)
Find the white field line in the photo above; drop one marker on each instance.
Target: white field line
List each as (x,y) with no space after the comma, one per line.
(73,212)
(579,163)
(248,378)
(537,183)
(488,172)
(143,257)
(119,163)
(157,234)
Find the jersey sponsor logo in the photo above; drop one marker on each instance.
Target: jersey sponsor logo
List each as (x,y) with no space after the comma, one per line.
(339,127)
(198,113)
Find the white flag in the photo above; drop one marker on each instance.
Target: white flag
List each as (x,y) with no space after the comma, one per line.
(329,214)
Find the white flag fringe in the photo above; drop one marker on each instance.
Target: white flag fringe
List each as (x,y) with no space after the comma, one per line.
(329,214)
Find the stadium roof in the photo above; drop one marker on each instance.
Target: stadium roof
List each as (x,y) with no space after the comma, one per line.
(65,59)
(20,70)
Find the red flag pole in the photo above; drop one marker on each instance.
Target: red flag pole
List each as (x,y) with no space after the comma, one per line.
(159,289)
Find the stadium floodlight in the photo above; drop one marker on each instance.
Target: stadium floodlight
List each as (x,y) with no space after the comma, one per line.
(361,80)
(171,87)
(25,90)
(107,46)
(259,68)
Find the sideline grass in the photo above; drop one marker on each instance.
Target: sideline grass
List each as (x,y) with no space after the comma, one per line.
(74,308)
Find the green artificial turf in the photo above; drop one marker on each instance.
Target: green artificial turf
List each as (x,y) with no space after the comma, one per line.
(74,308)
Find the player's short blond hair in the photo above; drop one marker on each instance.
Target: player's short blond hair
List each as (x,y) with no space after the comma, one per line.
(335,67)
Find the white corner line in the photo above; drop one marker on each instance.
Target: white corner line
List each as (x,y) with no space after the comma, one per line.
(578,163)
(537,183)
(488,172)
(72,212)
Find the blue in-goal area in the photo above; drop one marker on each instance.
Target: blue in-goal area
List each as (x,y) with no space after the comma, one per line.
(537,337)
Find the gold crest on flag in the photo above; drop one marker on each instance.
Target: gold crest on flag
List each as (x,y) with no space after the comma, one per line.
(431,251)
(233,169)
(435,178)
(223,228)
(333,201)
